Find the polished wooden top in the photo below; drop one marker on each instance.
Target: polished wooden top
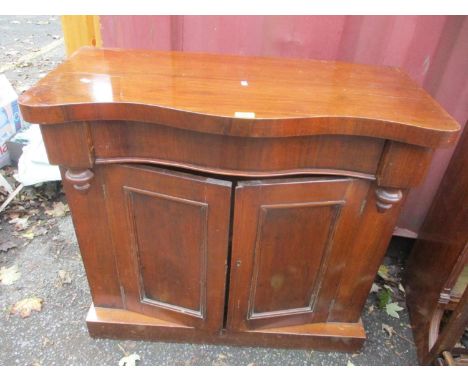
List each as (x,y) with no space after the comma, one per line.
(238,95)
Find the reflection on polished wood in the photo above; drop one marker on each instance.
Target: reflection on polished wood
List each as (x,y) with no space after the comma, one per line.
(230,199)
(243,96)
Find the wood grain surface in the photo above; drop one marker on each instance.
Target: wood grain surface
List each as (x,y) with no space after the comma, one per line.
(243,96)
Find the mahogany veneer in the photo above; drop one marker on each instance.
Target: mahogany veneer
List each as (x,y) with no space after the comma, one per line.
(233,199)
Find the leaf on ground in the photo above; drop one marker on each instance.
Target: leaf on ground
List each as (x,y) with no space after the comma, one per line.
(384,273)
(58,210)
(7,245)
(13,215)
(375,288)
(28,235)
(34,231)
(46,341)
(350,363)
(65,277)
(9,275)
(38,231)
(388,288)
(392,309)
(400,287)
(26,306)
(20,223)
(385,297)
(387,328)
(129,360)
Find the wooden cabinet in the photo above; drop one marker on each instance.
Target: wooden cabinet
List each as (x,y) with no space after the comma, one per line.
(437,269)
(230,199)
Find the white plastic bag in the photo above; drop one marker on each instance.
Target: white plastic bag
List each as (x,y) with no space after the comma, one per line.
(33,165)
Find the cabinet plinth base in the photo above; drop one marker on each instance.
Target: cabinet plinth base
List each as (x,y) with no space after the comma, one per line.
(122,324)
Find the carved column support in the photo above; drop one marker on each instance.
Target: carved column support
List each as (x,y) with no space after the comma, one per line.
(387,197)
(79,178)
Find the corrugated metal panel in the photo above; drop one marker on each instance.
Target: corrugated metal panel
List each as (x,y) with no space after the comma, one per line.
(433,50)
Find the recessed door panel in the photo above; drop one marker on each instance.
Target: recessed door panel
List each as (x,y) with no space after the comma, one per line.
(289,248)
(170,232)
(172,257)
(286,266)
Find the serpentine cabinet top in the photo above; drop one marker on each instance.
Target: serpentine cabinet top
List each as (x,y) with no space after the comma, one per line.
(239,96)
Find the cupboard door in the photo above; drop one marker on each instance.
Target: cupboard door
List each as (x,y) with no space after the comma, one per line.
(170,234)
(289,249)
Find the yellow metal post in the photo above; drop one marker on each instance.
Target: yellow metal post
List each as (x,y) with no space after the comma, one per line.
(81,30)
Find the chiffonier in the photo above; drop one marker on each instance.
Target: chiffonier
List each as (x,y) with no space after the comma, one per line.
(229,199)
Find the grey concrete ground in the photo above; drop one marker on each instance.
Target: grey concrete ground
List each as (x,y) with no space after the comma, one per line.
(57,335)
(23,36)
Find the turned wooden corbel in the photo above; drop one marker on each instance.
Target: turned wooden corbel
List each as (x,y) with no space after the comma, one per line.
(387,197)
(79,178)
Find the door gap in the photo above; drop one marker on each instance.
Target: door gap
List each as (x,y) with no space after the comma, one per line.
(228,261)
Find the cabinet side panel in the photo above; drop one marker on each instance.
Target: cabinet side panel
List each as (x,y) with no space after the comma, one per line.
(91,223)
(365,255)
